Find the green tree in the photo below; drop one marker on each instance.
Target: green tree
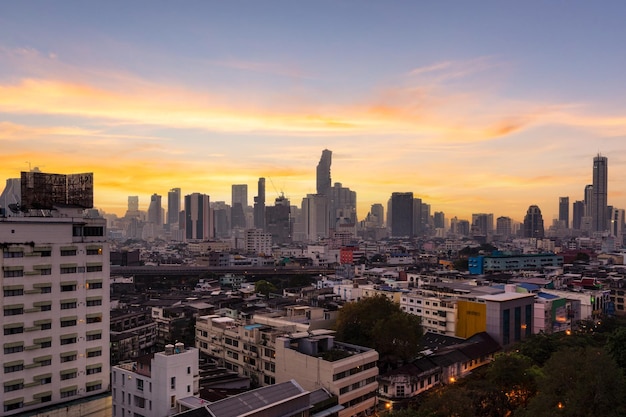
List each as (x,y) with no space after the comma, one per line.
(579,382)
(538,347)
(513,375)
(444,402)
(264,287)
(381,324)
(616,346)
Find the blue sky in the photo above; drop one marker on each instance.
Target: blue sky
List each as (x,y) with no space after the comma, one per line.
(485,107)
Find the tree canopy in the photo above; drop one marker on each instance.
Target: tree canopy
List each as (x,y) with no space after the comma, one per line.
(381,324)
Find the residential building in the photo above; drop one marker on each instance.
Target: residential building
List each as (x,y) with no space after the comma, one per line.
(315,217)
(153,384)
(258,242)
(198,219)
(402,216)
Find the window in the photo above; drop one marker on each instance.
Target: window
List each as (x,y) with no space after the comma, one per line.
(47,380)
(68,305)
(94,268)
(93,303)
(68,340)
(96,370)
(96,387)
(13,330)
(70,393)
(94,251)
(13,406)
(45,290)
(45,398)
(13,368)
(16,311)
(45,362)
(43,253)
(46,344)
(68,323)
(94,285)
(45,326)
(45,271)
(68,358)
(14,387)
(13,254)
(173,382)
(68,252)
(68,287)
(94,354)
(93,231)
(140,402)
(13,349)
(96,319)
(14,274)
(189,370)
(68,375)
(13,293)
(96,336)
(68,270)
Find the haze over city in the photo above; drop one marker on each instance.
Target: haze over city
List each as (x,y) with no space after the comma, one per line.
(481,108)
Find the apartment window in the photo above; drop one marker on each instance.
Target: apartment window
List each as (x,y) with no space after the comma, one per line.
(45,290)
(93,231)
(94,285)
(94,303)
(95,319)
(68,252)
(14,274)
(94,251)
(96,336)
(13,254)
(14,387)
(45,271)
(140,402)
(94,268)
(13,349)
(68,340)
(94,353)
(45,398)
(45,326)
(95,387)
(46,344)
(96,370)
(173,382)
(68,270)
(68,358)
(189,370)
(68,305)
(68,287)
(13,368)
(70,393)
(140,384)
(68,375)
(400,391)
(172,401)
(13,406)
(15,311)
(68,323)
(13,330)
(13,293)
(46,380)
(43,253)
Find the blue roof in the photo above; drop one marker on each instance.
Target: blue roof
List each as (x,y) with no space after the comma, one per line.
(527,286)
(252,326)
(547,296)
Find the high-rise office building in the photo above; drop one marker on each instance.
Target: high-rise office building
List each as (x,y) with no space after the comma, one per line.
(55,276)
(221,219)
(578,212)
(417,217)
(402,216)
(173,208)
(617,223)
(323,173)
(133,203)
(239,204)
(259,206)
(342,205)
(533,223)
(278,221)
(504,227)
(378,211)
(439,220)
(315,217)
(599,194)
(198,221)
(482,224)
(155,210)
(564,211)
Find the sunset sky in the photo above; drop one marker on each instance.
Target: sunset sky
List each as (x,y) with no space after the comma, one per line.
(484,106)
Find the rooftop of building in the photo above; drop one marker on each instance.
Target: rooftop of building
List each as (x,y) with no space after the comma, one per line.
(506,296)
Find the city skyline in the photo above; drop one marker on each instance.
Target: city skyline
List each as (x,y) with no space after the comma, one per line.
(488,109)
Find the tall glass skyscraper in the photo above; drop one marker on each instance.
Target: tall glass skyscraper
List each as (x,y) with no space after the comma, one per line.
(599,194)
(323,173)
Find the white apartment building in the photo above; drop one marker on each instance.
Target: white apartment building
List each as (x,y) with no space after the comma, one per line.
(258,242)
(55,302)
(438,312)
(283,350)
(153,385)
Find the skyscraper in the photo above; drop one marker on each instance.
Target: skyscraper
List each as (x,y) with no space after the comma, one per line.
(378,211)
(198,224)
(482,224)
(315,217)
(564,211)
(173,208)
(578,212)
(402,216)
(155,212)
(259,206)
(504,227)
(599,194)
(239,205)
(533,223)
(278,221)
(323,173)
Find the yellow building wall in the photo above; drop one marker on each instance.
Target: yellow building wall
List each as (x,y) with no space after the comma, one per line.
(471,318)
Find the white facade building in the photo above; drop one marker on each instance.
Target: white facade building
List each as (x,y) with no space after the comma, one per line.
(258,242)
(55,280)
(152,385)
